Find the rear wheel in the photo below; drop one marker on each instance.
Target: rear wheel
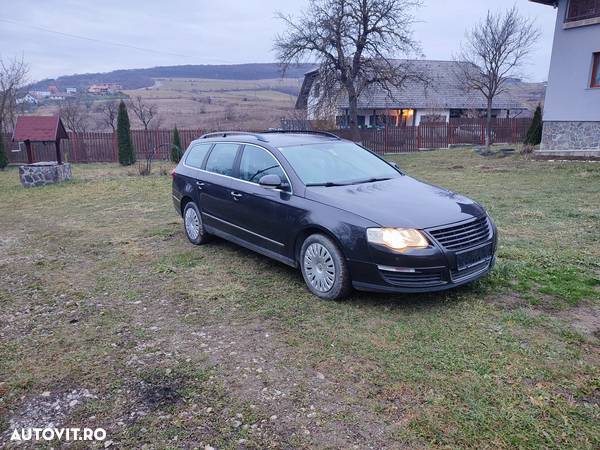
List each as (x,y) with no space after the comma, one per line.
(324,268)
(193,226)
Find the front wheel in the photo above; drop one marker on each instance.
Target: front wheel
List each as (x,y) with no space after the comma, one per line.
(193,226)
(324,268)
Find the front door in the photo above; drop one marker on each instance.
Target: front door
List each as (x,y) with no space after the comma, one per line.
(267,215)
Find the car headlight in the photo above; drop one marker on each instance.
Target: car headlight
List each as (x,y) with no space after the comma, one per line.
(399,239)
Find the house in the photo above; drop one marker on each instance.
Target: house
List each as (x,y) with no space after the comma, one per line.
(54,90)
(104,88)
(572,106)
(438,100)
(41,94)
(71,91)
(27,99)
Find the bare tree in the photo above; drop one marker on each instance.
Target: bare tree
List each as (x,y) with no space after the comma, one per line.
(353,42)
(494,51)
(13,75)
(108,113)
(144,111)
(74,114)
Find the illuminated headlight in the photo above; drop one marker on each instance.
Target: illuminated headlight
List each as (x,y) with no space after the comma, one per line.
(397,238)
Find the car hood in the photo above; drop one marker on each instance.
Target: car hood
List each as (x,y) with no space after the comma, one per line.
(399,202)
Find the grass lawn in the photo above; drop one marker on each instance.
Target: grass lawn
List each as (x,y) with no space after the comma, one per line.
(110,318)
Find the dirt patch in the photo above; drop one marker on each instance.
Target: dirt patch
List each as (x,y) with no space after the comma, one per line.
(303,403)
(47,410)
(584,318)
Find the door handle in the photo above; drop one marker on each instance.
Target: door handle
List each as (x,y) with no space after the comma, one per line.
(200,184)
(236,195)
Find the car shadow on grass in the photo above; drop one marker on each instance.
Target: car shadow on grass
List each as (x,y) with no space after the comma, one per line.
(423,301)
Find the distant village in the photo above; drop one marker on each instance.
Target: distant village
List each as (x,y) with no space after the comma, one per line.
(53,93)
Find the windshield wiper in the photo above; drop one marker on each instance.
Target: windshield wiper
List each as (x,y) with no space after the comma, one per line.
(327,184)
(372,180)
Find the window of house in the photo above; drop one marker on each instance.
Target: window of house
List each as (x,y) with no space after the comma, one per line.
(582,9)
(317,90)
(596,71)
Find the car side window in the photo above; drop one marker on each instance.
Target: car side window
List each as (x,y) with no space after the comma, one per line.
(221,159)
(256,162)
(196,155)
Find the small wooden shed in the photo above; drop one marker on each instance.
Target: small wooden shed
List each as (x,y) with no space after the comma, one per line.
(46,129)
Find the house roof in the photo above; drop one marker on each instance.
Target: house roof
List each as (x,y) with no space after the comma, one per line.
(442,92)
(39,129)
(546,2)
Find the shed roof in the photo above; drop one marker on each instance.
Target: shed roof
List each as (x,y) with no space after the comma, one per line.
(39,129)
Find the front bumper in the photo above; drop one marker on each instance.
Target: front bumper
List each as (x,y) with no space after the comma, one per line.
(428,270)
(382,283)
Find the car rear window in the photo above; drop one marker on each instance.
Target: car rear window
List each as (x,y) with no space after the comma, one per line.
(221,159)
(196,155)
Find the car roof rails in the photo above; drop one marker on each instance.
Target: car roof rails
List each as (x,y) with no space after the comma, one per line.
(322,133)
(233,133)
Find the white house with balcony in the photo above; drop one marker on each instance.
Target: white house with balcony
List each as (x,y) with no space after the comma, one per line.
(572,106)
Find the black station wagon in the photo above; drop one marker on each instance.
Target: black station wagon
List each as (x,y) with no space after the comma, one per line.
(343,215)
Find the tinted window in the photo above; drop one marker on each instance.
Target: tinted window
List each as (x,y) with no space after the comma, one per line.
(221,159)
(196,155)
(257,162)
(336,162)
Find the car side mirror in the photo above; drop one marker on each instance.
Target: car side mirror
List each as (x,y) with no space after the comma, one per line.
(270,181)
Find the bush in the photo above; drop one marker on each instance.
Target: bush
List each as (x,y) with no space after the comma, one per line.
(3,157)
(534,134)
(176,152)
(126,150)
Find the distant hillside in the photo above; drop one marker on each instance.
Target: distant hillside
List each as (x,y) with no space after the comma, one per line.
(140,78)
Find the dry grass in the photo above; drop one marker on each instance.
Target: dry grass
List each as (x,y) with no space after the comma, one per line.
(187,346)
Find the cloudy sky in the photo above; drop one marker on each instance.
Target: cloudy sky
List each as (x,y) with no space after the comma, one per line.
(60,37)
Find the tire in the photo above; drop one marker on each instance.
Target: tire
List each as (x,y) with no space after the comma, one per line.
(193,226)
(324,268)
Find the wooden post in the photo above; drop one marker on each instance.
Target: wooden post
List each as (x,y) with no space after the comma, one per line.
(29,152)
(58,155)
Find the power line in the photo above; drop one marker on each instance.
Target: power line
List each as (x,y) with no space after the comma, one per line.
(85,38)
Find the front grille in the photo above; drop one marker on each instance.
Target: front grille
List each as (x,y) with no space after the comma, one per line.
(458,275)
(413,279)
(464,235)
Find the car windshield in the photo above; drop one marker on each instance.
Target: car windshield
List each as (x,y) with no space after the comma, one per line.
(336,163)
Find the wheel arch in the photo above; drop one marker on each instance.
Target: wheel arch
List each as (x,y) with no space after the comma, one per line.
(184,201)
(310,230)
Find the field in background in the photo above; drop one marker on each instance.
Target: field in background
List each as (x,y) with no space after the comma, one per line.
(110,318)
(207,103)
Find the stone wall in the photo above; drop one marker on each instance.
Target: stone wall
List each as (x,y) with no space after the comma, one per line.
(567,137)
(41,174)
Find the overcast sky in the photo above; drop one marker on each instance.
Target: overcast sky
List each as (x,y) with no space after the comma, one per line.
(206,32)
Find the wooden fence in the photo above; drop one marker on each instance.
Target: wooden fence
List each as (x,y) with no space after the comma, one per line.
(440,135)
(95,146)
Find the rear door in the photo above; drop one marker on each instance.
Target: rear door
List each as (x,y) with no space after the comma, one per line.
(218,195)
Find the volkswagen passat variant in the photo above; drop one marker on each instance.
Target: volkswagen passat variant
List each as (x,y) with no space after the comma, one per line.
(346,217)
